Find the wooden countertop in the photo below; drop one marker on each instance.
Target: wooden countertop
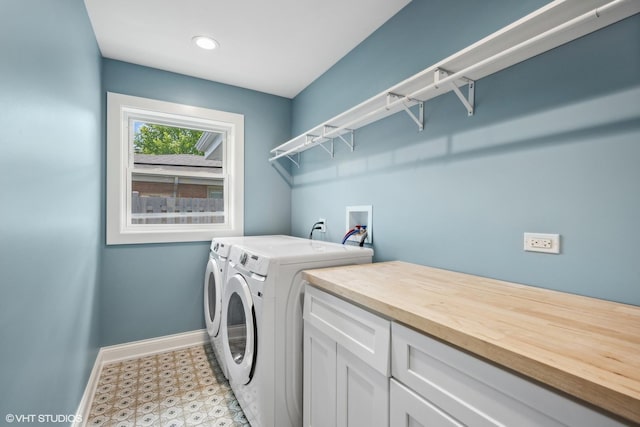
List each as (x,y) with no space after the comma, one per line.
(586,347)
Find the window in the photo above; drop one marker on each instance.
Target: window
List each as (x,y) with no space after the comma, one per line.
(174,172)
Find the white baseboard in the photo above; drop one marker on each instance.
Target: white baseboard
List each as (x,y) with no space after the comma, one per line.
(89,391)
(132,350)
(135,349)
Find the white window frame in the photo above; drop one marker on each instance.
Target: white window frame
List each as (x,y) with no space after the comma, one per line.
(120,230)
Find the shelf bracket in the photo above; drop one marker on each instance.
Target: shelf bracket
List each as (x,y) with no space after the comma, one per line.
(313,139)
(349,142)
(419,119)
(469,101)
(295,161)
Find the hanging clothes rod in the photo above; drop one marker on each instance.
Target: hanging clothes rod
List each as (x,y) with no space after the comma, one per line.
(598,13)
(440,78)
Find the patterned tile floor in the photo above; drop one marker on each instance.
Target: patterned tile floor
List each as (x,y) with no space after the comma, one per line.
(179,388)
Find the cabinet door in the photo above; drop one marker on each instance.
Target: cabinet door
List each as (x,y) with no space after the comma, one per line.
(362,393)
(319,396)
(478,393)
(410,410)
(363,333)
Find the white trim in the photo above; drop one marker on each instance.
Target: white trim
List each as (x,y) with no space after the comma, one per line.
(119,228)
(89,392)
(135,349)
(132,350)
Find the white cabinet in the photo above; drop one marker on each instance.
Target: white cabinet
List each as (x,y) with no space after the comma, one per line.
(438,384)
(346,364)
(350,355)
(362,393)
(319,378)
(408,409)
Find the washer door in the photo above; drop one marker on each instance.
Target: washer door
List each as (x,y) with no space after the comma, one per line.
(213,298)
(241,333)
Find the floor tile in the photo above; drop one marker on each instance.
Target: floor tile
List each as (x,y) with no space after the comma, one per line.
(174,389)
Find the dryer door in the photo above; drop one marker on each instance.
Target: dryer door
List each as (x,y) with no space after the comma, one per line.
(213,297)
(241,335)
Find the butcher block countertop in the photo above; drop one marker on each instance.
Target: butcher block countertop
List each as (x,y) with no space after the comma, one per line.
(586,347)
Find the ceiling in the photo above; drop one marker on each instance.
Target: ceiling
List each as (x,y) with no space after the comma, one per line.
(277,46)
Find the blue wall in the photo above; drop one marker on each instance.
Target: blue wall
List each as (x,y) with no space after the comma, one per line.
(50,227)
(155,290)
(553,148)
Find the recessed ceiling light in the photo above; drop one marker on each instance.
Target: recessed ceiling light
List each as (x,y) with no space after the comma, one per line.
(205,42)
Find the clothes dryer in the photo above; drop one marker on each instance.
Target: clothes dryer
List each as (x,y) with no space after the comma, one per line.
(262,323)
(214,279)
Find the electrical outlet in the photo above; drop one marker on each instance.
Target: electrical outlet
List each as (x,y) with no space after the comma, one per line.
(323,226)
(540,242)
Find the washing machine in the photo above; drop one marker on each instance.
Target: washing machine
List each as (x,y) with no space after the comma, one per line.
(262,326)
(214,279)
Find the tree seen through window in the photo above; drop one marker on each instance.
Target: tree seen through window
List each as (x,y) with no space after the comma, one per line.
(157,139)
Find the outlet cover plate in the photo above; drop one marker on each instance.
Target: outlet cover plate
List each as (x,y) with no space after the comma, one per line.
(542,242)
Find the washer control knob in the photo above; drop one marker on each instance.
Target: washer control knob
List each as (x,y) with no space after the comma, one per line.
(243,258)
(216,246)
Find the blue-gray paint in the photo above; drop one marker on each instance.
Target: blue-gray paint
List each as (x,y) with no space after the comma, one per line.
(155,290)
(543,153)
(50,227)
(421,34)
(151,290)
(553,148)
